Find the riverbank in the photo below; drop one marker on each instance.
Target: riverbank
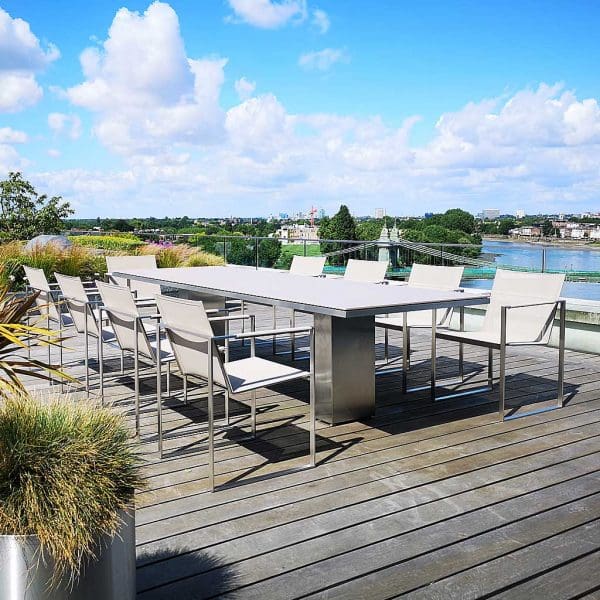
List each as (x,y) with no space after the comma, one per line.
(575,244)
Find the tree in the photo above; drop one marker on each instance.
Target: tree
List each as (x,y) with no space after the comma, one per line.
(547,228)
(25,213)
(268,252)
(456,218)
(340,227)
(506,225)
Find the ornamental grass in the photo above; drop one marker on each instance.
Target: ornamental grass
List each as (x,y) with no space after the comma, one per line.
(66,472)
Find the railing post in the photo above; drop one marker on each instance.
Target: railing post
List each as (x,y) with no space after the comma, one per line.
(543,259)
(304,247)
(225,249)
(256,244)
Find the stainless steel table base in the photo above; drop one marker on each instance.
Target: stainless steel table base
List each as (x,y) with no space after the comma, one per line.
(344,358)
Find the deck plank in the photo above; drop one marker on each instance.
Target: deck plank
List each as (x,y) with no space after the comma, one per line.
(433,500)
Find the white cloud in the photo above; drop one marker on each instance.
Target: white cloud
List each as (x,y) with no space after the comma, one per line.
(12,136)
(323,60)
(320,20)
(53,153)
(21,57)
(268,14)
(244,88)
(145,91)
(62,124)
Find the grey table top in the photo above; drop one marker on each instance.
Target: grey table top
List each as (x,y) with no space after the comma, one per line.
(317,295)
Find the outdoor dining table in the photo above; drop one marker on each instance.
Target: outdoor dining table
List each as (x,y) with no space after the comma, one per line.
(344,321)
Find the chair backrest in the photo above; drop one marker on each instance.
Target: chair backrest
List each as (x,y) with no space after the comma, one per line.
(133,263)
(311,266)
(435,277)
(512,288)
(187,326)
(39,283)
(76,300)
(367,271)
(122,313)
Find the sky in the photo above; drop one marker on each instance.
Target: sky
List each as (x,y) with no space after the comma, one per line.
(256,107)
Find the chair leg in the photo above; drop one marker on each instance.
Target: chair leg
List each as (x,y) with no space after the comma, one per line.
(561,354)
(136,370)
(101,367)
(386,345)
(502,383)
(433,352)
(405,352)
(293,336)
(226,407)
(490,368)
(122,362)
(313,424)
(86,360)
(168,379)
(253,413)
(274,327)
(159,401)
(185,389)
(461,361)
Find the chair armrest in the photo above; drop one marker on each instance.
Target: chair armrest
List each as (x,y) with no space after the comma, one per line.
(513,306)
(268,332)
(230,318)
(155,316)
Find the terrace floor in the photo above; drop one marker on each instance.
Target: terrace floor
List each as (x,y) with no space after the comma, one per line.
(424,500)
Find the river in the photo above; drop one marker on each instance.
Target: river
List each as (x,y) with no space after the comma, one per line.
(557,257)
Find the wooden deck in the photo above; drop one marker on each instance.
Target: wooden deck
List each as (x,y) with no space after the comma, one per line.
(424,500)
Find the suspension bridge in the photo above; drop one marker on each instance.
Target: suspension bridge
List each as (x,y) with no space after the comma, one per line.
(475,268)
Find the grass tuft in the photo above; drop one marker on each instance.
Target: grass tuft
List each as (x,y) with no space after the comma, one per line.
(66,470)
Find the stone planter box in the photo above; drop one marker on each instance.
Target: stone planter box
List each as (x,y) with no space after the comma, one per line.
(111,577)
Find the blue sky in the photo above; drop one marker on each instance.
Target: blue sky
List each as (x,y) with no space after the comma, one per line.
(414,107)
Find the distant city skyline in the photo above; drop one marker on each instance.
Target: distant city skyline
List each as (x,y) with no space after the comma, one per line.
(264,107)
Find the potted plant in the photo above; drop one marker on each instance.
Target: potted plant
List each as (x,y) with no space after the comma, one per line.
(68,472)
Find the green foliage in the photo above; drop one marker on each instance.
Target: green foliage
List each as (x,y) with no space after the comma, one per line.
(341,226)
(66,471)
(290,250)
(241,252)
(108,242)
(15,335)
(268,252)
(25,214)
(76,261)
(547,228)
(456,219)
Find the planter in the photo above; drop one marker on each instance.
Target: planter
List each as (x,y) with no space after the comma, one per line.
(110,577)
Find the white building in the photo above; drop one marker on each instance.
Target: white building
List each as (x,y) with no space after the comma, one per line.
(379,213)
(520,213)
(293,234)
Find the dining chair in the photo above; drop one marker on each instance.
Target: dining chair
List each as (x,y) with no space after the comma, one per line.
(143,291)
(48,305)
(365,271)
(134,333)
(198,355)
(307,266)
(423,276)
(521,312)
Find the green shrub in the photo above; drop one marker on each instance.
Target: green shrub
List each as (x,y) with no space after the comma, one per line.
(76,260)
(126,243)
(66,471)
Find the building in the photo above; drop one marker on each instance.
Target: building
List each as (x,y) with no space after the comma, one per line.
(520,213)
(379,213)
(322,213)
(295,234)
(490,214)
(528,232)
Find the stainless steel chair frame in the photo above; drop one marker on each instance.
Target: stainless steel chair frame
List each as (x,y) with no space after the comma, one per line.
(561,307)
(212,349)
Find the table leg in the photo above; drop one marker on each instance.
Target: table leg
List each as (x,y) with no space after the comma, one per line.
(344,368)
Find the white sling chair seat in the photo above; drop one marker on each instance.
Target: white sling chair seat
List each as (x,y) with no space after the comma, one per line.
(134,334)
(365,271)
(521,312)
(46,302)
(307,266)
(425,276)
(245,374)
(144,291)
(195,347)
